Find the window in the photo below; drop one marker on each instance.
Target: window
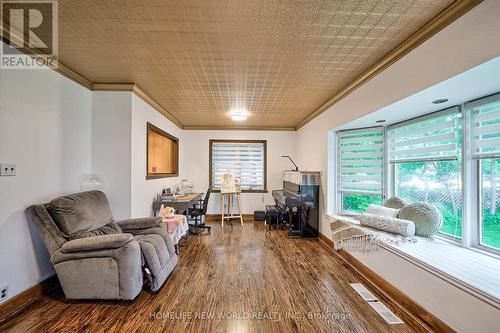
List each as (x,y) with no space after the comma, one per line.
(360,168)
(426,159)
(162,151)
(485,146)
(449,159)
(247,158)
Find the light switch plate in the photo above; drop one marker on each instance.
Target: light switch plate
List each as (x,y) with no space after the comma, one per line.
(7,169)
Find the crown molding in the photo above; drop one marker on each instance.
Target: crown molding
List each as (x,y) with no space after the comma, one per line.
(73,75)
(443,19)
(237,128)
(446,17)
(60,68)
(113,86)
(134,88)
(155,105)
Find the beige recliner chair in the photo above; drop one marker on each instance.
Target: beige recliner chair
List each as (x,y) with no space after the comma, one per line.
(98,258)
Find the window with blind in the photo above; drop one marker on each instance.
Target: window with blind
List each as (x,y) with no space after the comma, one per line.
(246,158)
(485,149)
(426,159)
(360,165)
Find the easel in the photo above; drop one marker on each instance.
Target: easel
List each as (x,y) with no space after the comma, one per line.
(230,214)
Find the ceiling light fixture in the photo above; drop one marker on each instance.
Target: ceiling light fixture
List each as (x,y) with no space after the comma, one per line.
(238,114)
(380,121)
(439,101)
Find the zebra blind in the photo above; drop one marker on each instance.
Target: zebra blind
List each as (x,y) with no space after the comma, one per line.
(247,159)
(485,128)
(360,161)
(429,138)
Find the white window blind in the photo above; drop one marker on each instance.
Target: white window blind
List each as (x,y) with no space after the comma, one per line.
(429,138)
(246,159)
(485,126)
(360,161)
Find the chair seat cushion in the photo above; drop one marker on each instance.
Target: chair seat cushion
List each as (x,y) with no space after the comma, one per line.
(195,212)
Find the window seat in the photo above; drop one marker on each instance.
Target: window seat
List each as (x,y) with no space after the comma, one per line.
(469,270)
(474,272)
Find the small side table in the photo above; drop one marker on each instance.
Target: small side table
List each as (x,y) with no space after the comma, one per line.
(177,228)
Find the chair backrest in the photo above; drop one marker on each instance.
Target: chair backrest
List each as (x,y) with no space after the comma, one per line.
(205,201)
(80,213)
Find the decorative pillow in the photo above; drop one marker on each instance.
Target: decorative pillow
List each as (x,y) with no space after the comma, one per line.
(427,218)
(395,202)
(389,224)
(382,211)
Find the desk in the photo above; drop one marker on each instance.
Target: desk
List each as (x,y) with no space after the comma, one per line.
(181,203)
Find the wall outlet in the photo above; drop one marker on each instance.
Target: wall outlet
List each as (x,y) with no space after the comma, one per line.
(7,169)
(4,293)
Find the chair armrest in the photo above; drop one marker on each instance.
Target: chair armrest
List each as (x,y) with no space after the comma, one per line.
(101,242)
(140,223)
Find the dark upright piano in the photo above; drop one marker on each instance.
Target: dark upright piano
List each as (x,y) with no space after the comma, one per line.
(298,202)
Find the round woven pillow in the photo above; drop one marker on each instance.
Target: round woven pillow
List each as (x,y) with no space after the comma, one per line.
(395,202)
(427,218)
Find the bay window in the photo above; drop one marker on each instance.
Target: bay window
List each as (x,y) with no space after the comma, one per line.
(449,159)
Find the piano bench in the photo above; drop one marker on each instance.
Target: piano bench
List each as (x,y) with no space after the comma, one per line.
(273,216)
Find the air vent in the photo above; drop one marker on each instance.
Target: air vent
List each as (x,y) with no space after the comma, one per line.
(363,292)
(385,313)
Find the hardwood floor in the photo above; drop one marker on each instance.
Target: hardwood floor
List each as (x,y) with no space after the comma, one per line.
(239,279)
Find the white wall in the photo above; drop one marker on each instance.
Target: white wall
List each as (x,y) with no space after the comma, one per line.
(143,191)
(196,163)
(466,43)
(119,151)
(111,147)
(45,131)
(56,131)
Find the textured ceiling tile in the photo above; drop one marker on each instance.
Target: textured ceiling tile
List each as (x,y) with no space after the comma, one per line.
(279,59)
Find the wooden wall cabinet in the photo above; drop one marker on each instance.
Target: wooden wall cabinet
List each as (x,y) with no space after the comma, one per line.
(162,153)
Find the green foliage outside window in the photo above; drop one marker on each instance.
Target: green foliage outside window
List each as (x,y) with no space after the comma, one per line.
(359,202)
(437,183)
(490,202)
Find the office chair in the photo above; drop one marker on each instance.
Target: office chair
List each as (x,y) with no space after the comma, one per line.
(197,212)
